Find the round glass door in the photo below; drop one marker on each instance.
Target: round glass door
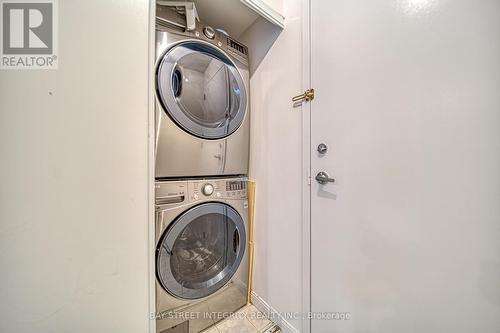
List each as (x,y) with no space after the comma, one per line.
(201,90)
(200,251)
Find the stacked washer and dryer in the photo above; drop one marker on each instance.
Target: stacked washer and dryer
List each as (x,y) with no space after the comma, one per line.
(201,152)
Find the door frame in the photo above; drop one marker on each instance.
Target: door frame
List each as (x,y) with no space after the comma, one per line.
(151,165)
(306,168)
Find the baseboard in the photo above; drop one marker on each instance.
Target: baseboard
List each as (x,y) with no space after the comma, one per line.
(278,319)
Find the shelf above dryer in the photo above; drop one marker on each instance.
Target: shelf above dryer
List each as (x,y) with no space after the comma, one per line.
(266,11)
(234,16)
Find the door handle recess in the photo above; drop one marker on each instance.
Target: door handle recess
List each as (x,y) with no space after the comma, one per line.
(323,178)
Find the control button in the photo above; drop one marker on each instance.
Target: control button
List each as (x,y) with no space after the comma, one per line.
(197,34)
(195,196)
(209,32)
(218,195)
(208,189)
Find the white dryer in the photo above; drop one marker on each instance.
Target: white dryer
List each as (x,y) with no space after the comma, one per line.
(202,100)
(201,252)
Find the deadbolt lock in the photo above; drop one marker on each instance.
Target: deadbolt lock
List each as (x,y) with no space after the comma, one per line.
(322,148)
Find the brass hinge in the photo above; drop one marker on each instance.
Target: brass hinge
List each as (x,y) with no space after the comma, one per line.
(307,96)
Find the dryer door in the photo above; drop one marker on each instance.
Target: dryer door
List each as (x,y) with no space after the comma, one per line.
(200,251)
(201,90)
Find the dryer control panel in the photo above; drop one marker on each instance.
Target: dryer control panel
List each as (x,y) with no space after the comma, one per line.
(168,19)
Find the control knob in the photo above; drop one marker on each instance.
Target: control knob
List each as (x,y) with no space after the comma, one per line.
(209,32)
(208,189)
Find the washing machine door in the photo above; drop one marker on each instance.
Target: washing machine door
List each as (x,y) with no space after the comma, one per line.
(200,251)
(201,90)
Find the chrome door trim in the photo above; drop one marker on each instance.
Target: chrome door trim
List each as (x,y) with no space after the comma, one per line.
(167,100)
(163,251)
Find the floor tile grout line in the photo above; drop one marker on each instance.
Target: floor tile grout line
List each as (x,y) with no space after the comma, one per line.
(268,326)
(244,311)
(255,310)
(247,307)
(256,329)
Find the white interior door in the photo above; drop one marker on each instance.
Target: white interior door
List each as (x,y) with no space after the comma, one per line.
(407,238)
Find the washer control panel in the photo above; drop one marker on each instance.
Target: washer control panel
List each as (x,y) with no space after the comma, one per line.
(178,192)
(217,189)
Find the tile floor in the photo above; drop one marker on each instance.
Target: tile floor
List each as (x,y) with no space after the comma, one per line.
(246,320)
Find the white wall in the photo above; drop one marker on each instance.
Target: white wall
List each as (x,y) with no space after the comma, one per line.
(74,178)
(276,159)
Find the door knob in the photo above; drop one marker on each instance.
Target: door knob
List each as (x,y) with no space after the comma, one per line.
(323,178)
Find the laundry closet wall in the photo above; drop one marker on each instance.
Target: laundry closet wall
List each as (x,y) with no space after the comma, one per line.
(75,178)
(276,160)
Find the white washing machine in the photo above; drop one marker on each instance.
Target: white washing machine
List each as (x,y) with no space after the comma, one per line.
(202,100)
(201,253)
